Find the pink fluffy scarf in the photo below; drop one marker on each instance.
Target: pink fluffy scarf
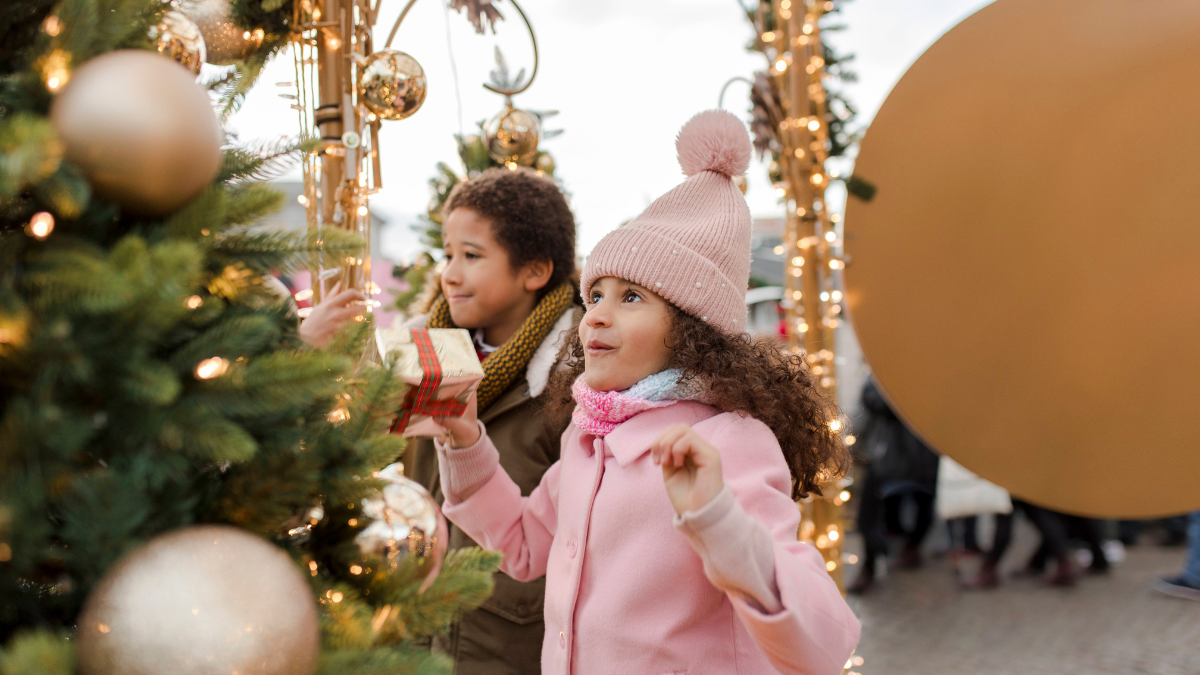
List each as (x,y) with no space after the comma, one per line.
(599,412)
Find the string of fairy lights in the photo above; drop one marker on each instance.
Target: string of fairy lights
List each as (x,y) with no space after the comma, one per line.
(792,113)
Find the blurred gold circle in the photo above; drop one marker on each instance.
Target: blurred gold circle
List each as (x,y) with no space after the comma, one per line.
(177,37)
(513,136)
(141,130)
(206,600)
(1024,282)
(392,84)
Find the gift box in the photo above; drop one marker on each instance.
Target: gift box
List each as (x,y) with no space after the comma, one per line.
(441,369)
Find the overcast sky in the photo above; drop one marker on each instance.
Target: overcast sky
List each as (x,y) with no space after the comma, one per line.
(624,74)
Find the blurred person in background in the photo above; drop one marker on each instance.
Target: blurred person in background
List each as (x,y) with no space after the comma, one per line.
(1186,585)
(900,469)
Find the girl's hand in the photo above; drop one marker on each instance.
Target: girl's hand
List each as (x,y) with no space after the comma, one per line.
(463,431)
(691,467)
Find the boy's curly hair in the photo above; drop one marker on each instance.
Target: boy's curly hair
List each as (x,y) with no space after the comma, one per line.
(530,218)
(753,377)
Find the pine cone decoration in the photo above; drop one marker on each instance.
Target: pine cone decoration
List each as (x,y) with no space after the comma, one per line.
(477,11)
(766,115)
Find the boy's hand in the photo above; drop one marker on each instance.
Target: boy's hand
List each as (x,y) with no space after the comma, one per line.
(329,316)
(463,431)
(691,467)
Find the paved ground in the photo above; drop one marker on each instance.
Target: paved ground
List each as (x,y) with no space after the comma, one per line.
(920,623)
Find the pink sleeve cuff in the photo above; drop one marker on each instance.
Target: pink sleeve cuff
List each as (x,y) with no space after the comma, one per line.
(736,550)
(465,470)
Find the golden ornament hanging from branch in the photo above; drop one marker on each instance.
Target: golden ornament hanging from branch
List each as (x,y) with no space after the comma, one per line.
(178,37)
(141,130)
(225,43)
(391,84)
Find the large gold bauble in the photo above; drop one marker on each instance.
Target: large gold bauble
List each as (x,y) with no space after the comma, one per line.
(178,37)
(141,130)
(405,525)
(208,600)
(512,137)
(392,84)
(224,41)
(1024,282)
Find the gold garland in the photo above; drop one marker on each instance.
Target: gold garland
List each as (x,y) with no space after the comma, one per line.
(506,363)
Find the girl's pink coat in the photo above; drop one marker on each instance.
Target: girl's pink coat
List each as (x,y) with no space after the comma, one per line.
(626,593)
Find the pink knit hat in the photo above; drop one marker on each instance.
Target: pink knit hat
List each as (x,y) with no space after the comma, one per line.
(692,245)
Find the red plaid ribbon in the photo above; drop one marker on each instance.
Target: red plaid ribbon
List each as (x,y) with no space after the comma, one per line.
(420,400)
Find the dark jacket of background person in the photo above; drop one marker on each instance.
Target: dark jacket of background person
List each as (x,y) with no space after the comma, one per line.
(504,636)
(899,460)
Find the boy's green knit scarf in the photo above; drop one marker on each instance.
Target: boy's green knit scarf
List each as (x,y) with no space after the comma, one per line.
(506,363)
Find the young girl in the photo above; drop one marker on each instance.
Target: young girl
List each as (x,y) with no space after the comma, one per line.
(667,530)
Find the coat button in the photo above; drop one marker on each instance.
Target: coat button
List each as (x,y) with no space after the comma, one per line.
(562,639)
(572,548)
(522,610)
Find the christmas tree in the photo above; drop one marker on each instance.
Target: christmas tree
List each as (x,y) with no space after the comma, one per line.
(150,379)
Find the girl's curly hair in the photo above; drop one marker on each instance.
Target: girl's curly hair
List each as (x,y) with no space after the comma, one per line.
(753,377)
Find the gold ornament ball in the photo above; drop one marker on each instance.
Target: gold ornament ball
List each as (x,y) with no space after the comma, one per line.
(225,42)
(513,137)
(545,163)
(392,84)
(740,182)
(207,600)
(405,525)
(140,129)
(177,37)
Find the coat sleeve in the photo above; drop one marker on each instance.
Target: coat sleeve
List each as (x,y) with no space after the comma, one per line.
(814,632)
(487,505)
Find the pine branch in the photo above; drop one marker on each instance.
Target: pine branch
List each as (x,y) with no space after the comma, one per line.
(29,152)
(265,160)
(42,653)
(249,202)
(286,251)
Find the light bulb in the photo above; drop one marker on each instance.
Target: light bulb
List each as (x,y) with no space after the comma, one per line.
(211,367)
(193,302)
(40,225)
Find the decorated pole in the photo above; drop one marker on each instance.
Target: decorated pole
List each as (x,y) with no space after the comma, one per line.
(790,103)
(338,83)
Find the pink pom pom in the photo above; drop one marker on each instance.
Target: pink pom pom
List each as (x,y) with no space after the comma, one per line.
(713,140)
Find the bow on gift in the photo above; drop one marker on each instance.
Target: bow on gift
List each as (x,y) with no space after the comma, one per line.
(420,400)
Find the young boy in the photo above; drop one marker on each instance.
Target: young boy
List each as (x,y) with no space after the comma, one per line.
(509,240)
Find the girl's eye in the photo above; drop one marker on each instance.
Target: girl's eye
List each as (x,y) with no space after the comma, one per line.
(596,297)
(632,296)
(471,256)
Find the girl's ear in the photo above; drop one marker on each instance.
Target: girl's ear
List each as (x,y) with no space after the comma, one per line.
(537,273)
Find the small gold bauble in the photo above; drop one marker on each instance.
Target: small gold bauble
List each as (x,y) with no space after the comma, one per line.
(207,600)
(178,37)
(740,182)
(513,136)
(141,130)
(392,84)
(224,41)
(405,525)
(545,163)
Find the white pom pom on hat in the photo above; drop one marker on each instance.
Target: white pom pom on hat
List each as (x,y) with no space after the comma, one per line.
(713,140)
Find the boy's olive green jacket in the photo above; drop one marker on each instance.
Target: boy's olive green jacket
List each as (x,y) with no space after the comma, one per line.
(504,636)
